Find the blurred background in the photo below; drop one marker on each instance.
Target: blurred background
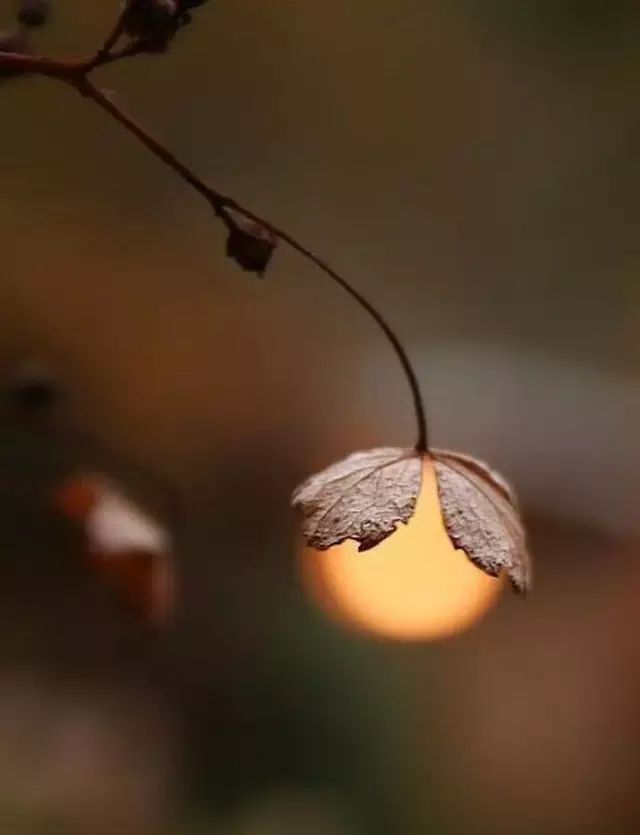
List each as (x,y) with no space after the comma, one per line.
(473,166)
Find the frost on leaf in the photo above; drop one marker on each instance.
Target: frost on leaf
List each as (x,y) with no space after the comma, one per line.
(364,498)
(481,516)
(126,548)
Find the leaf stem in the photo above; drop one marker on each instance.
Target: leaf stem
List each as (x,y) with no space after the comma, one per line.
(77,72)
(221,203)
(104,52)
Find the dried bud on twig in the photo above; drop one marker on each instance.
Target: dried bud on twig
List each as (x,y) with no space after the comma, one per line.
(251,246)
(363,498)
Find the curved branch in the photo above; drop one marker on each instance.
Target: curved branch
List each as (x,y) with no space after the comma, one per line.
(76,73)
(221,203)
(38,65)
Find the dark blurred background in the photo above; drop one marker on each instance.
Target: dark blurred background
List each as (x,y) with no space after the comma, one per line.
(473,166)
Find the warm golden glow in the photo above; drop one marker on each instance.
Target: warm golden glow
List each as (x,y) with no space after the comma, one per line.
(413,586)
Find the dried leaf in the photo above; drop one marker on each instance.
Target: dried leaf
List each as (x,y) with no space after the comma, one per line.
(481,516)
(251,246)
(127,549)
(364,498)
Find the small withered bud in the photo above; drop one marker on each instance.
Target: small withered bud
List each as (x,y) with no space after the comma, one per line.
(33,389)
(251,246)
(149,18)
(34,12)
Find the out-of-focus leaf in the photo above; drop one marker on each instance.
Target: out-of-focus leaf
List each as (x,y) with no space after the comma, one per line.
(127,548)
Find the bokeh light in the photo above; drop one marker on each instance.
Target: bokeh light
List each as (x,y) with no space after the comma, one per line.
(413,586)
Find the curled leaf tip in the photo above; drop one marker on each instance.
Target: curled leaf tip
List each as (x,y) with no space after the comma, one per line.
(363,497)
(481,516)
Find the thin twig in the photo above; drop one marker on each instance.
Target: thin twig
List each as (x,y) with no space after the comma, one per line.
(88,89)
(37,65)
(128,50)
(220,202)
(77,73)
(112,38)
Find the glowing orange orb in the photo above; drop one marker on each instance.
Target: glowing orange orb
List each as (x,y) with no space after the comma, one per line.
(413,586)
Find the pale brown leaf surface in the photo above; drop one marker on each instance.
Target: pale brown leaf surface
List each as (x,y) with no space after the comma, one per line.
(116,525)
(481,516)
(127,549)
(364,498)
